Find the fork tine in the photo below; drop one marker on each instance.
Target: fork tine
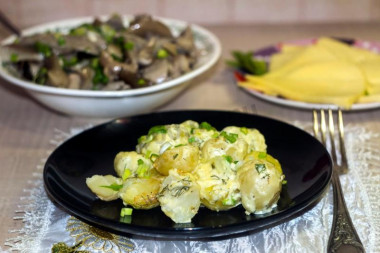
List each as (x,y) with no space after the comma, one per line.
(332,134)
(344,163)
(323,127)
(316,124)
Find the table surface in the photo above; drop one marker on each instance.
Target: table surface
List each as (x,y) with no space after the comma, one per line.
(26,127)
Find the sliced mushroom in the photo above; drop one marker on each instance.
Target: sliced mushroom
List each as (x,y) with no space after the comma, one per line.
(120,85)
(111,67)
(30,41)
(129,75)
(145,26)
(115,51)
(170,47)
(77,43)
(157,72)
(186,40)
(97,39)
(74,81)
(87,74)
(56,76)
(21,53)
(146,55)
(115,22)
(137,42)
(179,66)
(68,43)
(34,68)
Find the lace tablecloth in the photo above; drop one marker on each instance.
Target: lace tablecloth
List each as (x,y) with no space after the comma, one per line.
(45,224)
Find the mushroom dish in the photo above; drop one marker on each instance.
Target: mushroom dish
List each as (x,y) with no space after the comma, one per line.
(103,55)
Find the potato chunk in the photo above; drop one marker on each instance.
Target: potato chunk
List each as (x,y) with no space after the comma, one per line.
(105,187)
(183,158)
(252,136)
(260,185)
(220,146)
(179,197)
(140,193)
(132,164)
(219,188)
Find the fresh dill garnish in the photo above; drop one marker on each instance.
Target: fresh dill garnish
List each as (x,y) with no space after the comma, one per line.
(260,167)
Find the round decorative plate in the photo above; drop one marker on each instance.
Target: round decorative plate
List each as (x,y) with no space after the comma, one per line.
(306,165)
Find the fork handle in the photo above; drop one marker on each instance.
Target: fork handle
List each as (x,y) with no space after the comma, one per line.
(343,237)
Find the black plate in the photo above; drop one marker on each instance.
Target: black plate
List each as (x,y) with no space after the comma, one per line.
(306,165)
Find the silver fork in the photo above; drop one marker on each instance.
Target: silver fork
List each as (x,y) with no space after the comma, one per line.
(343,236)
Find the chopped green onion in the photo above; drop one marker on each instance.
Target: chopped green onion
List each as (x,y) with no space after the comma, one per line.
(260,167)
(284,181)
(43,49)
(79,31)
(41,76)
(147,154)
(126,211)
(116,58)
(179,145)
(126,219)
(162,54)
(99,76)
(115,187)
(153,157)
(140,162)
(126,174)
(145,139)
(94,63)
(107,32)
(215,135)
(142,169)
(70,62)
(207,126)
(141,82)
(244,130)
(157,129)
(61,41)
(262,155)
(228,158)
(191,139)
(14,57)
(129,45)
(229,202)
(230,137)
(141,139)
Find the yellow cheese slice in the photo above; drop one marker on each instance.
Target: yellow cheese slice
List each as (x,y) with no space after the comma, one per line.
(335,82)
(371,72)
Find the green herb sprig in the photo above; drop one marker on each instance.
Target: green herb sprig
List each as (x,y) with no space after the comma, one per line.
(247,63)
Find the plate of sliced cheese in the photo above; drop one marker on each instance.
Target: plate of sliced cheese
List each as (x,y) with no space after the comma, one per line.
(319,73)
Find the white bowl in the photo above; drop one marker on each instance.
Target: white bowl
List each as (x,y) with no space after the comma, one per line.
(111,104)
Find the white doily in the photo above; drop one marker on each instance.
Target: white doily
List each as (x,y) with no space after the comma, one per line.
(45,224)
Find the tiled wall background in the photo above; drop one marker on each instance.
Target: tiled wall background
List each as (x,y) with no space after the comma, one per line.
(30,12)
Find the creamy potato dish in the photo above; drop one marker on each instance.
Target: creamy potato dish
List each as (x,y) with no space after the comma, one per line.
(180,167)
